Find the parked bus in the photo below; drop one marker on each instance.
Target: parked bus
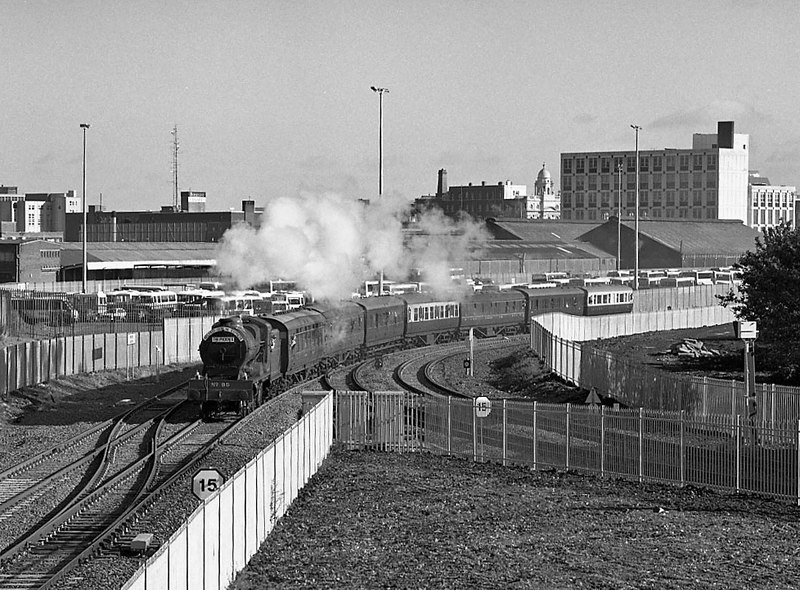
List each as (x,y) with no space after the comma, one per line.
(701,277)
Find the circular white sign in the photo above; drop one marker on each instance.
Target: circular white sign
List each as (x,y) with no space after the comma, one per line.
(483,406)
(205,482)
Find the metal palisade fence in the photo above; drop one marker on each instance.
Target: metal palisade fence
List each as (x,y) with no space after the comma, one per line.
(725,452)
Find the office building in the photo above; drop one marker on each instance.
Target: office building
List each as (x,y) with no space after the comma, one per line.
(707,181)
(768,204)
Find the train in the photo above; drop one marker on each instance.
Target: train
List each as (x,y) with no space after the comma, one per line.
(248,359)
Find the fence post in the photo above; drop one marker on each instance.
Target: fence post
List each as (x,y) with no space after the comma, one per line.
(505,437)
(449,424)
(682,449)
(738,452)
(566,451)
(534,444)
(705,396)
(798,462)
(602,440)
(474,433)
(733,397)
(641,443)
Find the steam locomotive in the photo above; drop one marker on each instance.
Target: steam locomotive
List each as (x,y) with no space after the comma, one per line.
(248,359)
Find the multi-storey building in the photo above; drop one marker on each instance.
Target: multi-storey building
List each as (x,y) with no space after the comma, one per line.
(166,225)
(41,212)
(482,201)
(706,181)
(768,204)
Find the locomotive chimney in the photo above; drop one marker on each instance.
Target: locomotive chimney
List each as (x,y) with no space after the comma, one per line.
(442,189)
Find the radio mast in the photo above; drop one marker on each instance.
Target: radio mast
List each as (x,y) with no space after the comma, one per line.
(175,199)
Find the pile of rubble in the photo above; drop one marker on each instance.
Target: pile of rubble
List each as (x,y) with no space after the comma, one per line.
(692,348)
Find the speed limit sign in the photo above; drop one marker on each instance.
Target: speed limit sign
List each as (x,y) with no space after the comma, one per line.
(483,406)
(205,482)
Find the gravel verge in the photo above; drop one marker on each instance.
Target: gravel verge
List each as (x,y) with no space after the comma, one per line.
(370,520)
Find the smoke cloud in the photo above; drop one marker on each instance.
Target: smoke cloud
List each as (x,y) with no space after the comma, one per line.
(330,244)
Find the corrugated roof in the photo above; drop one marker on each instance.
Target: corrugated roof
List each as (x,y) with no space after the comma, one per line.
(544,231)
(106,255)
(715,236)
(509,249)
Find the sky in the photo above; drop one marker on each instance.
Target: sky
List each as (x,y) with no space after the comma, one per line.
(272,99)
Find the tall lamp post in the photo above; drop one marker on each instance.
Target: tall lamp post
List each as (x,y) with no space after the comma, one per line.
(380,92)
(619,211)
(636,128)
(84,126)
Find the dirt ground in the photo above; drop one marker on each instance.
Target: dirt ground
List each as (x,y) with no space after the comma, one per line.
(370,520)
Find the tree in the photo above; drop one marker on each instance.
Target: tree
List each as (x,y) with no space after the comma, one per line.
(770,289)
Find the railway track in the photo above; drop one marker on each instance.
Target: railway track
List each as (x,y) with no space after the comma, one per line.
(54,502)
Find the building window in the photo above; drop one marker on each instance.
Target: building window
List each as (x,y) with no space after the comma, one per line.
(605,182)
(644,164)
(697,180)
(617,164)
(605,165)
(592,200)
(656,163)
(592,165)
(670,198)
(709,214)
(592,183)
(657,180)
(631,181)
(683,213)
(697,162)
(579,214)
(711,162)
(670,163)
(684,162)
(670,181)
(630,200)
(566,200)
(684,177)
(579,200)
(711,180)
(631,164)
(656,212)
(697,198)
(592,214)
(566,166)
(604,200)
(567,183)
(656,198)
(579,166)
(697,213)
(579,183)
(684,198)
(644,181)
(670,213)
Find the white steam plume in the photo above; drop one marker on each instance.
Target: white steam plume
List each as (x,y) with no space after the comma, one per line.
(330,245)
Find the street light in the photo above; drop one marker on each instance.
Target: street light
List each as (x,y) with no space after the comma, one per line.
(84,126)
(380,92)
(619,211)
(636,128)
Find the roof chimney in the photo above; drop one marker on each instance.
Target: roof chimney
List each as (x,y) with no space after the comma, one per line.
(441,188)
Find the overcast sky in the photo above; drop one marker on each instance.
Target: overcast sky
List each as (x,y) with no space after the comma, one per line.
(272,98)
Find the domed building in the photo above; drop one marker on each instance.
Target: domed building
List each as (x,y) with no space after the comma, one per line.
(545,203)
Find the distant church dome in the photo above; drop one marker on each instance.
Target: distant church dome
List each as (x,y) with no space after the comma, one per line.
(544,173)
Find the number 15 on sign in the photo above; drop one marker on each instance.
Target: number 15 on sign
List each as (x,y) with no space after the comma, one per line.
(205,482)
